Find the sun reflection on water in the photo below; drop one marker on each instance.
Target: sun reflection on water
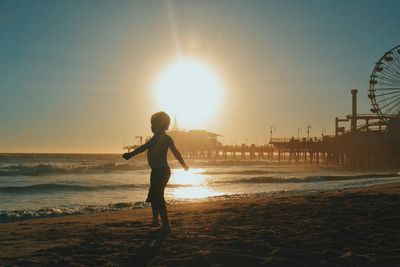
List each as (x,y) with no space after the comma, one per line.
(195,184)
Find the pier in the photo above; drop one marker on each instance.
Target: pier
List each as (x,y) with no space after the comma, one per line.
(372,149)
(375,142)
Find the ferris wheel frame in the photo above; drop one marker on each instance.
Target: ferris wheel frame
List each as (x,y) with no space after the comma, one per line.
(384,86)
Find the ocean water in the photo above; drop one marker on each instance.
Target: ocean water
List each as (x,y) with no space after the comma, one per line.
(42,185)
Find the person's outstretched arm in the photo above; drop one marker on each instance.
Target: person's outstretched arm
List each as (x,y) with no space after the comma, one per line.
(138,150)
(178,155)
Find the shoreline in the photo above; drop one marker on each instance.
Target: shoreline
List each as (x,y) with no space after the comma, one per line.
(18,215)
(349,227)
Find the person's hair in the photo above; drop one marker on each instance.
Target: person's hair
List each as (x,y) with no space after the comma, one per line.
(160,121)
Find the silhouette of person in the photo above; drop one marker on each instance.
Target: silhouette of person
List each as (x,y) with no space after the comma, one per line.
(157,148)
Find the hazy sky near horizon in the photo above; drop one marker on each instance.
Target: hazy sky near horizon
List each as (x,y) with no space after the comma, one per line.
(78,76)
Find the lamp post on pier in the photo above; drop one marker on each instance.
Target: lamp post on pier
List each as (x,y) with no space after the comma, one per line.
(140,139)
(322,133)
(270,132)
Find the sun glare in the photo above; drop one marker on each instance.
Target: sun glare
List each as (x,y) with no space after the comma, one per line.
(190,90)
(195,184)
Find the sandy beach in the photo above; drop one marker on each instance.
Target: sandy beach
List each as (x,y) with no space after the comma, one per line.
(355,227)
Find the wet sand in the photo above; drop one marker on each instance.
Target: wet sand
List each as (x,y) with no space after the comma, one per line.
(356,227)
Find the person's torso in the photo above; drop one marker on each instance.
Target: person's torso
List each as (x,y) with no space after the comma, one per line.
(157,152)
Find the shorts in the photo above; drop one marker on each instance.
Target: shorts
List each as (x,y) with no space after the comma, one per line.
(158,180)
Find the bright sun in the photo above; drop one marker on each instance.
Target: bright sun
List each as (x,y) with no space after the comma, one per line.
(190,90)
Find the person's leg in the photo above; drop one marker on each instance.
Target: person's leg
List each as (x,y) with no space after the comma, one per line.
(163,207)
(155,211)
(152,199)
(164,219)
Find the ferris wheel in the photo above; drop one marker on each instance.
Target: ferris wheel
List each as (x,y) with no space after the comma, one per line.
(384,86)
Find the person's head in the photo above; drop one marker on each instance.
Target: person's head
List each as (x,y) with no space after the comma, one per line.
(160,122)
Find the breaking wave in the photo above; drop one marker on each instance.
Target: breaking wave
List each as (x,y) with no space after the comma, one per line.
(47,169)
(57,187)
(17,215)
(308,179)
(55,169)
(241,172)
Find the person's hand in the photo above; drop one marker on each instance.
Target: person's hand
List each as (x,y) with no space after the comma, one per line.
(185,167)
(126,156)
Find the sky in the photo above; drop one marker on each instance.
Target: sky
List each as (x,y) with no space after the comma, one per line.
(78,76)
